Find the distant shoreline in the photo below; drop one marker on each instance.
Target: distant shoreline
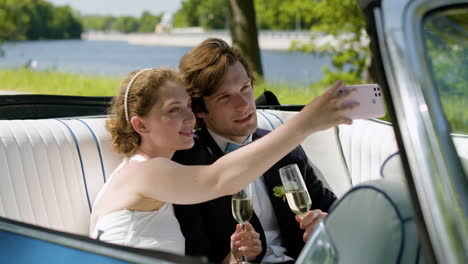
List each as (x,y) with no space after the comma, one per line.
(269,41)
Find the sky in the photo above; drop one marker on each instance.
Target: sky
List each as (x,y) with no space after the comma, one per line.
(120,7)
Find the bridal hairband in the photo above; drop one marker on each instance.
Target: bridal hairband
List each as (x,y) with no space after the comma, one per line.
(128,89)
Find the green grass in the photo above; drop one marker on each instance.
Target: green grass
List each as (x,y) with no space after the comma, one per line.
(57,83)
(288,94)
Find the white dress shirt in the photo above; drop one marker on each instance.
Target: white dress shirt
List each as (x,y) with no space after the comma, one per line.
(264,210)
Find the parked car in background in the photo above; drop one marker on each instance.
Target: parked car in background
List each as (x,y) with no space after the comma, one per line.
(402,185)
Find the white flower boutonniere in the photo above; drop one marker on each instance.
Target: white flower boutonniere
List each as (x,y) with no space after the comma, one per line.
(278,191)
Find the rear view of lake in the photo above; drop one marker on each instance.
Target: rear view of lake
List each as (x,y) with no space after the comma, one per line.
(120,58)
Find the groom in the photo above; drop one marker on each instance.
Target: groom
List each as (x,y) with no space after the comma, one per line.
(220,83)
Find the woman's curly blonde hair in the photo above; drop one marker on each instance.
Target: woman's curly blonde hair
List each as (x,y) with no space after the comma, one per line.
(142,95)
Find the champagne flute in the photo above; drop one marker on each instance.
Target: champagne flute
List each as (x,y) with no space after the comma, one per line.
(242,209)
(295,189)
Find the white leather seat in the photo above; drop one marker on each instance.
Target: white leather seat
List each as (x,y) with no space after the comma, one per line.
(51,170)
(366,145)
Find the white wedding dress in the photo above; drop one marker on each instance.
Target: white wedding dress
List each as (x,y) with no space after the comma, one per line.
(157,230)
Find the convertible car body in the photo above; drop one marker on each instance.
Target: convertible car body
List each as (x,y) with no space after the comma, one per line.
(402,185)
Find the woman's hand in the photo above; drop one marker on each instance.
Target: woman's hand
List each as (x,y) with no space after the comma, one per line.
(245,242)
(328,110)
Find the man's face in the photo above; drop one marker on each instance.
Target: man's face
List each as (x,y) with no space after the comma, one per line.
(231,111)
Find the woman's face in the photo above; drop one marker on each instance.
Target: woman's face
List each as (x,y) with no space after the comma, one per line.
(170,122)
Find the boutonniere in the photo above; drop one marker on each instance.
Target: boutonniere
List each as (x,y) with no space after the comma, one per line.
(278,191)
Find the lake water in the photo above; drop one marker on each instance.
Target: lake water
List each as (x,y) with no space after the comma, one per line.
(120,58)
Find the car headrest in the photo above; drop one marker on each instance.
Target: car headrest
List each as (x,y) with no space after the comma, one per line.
(373,223)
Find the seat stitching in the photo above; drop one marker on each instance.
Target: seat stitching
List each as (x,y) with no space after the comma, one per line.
(386,161)
(25,182)
(35,169)
(11,182)
(98,148)
(49,173)
(81,161)
(267,119)
(343,157)
(281,120)
(62,171)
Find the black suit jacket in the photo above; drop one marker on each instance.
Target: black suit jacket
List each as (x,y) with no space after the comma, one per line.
(207,227)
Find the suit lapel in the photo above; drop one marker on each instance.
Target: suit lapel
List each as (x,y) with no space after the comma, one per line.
(210,144)
(224,203)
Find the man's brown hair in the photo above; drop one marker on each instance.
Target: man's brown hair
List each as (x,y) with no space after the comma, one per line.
(204,68)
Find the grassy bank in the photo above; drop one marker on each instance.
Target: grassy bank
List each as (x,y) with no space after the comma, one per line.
(52,82)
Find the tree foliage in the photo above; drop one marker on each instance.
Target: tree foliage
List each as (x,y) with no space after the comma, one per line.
(208,14)
(284,15)
(343,20)
(37,19)
(446,42)
(270,14)
(145,23)
(98,23)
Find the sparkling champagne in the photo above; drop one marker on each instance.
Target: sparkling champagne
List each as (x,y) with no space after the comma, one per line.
(299,201)
(242,209)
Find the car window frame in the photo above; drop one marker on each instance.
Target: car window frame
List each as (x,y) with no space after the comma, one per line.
(423,132)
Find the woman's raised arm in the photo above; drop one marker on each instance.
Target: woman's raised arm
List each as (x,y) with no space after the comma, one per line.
(164,180)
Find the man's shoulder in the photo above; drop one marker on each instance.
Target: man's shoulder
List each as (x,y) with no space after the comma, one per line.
(193,156)
(260,132)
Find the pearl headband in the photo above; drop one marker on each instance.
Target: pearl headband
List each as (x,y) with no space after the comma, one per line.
(128,89)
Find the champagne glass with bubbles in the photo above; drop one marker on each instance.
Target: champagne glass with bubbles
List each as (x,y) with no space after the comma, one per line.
(242,209)
(295,189)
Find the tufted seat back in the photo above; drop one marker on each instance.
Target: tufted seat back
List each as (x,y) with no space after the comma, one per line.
(51,170)
(366,145)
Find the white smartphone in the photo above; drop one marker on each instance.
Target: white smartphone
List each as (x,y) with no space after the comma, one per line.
(370,98)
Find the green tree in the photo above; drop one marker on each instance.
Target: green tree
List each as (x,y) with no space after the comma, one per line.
(63,25)
(37,19)
(187,16)
(98,23)
(209,14)
(446,50)
(213,14)
(13,20)
(148,22)
(126,24)
(284,15)
(343,20)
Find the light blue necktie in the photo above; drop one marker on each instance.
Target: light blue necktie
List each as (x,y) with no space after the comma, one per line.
(231,147)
